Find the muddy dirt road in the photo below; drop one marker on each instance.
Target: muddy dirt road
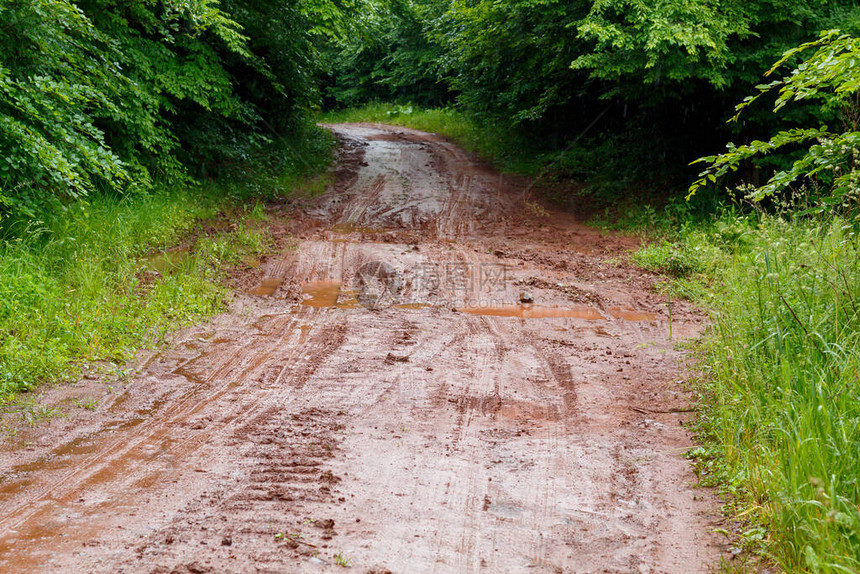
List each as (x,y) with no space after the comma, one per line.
(379,398)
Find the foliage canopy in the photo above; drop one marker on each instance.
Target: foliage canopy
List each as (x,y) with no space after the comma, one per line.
(105,95)
(830,75)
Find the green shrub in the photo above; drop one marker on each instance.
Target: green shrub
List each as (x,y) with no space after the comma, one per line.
(670,259)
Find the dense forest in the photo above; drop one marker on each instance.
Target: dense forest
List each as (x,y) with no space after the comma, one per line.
(122,97)
(125,124)
(617,95)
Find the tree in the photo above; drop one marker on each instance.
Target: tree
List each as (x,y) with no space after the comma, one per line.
(106,95)
(389,56)
(829,76)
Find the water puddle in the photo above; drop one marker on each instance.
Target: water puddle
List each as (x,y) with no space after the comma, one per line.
(268,287)
(59,458)
(527,311)
(632,315)
(327,294)
(320,294)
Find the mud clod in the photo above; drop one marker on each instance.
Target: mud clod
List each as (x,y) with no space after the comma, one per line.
(392,358)
(328,476)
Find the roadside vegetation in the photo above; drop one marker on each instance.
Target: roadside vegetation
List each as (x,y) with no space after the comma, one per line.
(779,385)
(114,274)
(779,382)
(138,140)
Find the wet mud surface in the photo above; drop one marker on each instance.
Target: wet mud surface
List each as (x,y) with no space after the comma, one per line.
(425,379)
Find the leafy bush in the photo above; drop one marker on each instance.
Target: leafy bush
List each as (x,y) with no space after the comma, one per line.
(97,95)
(830,75)
(87,97)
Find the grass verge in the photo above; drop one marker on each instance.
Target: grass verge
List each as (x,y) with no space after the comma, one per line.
(780,382)
(112,275)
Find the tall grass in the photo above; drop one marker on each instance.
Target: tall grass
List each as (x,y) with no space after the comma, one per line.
(781,384)
(80,289)
(109,276)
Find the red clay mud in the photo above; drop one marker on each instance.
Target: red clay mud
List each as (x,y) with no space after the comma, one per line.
(380,398)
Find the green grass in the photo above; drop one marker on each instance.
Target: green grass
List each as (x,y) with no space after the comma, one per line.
(342,560)
(83,289)
(110,276)
(780,384)
(507,151)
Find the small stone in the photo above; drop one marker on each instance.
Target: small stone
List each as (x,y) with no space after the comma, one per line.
(526,297)
(226,541)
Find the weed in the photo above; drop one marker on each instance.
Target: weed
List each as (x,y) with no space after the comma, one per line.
(536,210)
(121,374)
(89,403)
(668,258)
(257,213)
(780,384)
(34,414)
(341,560)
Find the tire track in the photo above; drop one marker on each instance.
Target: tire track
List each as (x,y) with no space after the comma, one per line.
(289,434)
